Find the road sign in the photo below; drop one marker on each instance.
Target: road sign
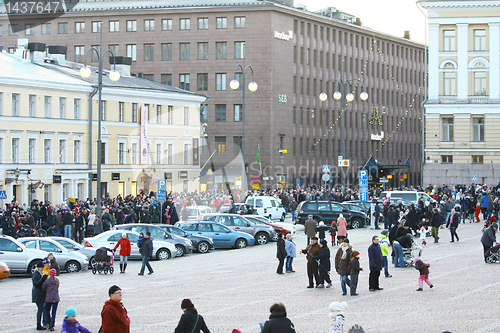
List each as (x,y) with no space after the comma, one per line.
(473,178)
(162,190)
(209,172)
(363,196)
(255,179)
(401,178)
(326,168)
(363,185)
(383,180)
(325,177)
(343,163)
(3,195)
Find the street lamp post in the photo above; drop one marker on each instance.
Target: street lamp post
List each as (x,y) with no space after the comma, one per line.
(113,76)
(252,86)
(342,93)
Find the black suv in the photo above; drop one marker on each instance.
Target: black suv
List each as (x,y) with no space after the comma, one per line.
(328,211)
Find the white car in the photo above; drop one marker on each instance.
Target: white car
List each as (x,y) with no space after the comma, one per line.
(267,206)
(161,250)
(196,212)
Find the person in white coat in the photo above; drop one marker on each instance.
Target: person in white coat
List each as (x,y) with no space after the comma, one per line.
(291,252)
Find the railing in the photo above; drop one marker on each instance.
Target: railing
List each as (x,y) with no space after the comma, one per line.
(477,99)
(447,99)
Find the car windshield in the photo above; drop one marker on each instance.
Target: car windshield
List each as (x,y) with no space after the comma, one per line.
(178,232)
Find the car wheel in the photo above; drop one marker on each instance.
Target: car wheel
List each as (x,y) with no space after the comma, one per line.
(355,223)
(32,267)
(276,236)
(72,266)
(240,243)
(261,238)
(163,254)
(203,247)
(93,262)
(282,219)
(180,250)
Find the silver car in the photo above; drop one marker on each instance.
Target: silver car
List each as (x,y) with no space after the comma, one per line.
(18,257)
(161,250)
(70,261)
(71,245)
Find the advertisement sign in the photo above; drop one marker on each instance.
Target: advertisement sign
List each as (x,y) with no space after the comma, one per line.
(144,134)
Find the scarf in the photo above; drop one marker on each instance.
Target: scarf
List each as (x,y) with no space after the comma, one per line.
(344,252)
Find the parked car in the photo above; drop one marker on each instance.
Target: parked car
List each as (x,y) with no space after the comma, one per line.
(196,212)
(4,270)
(182,245)
(202,244)
(354,207)
(162,250)
(240,209)
(223,236)
(261,233)
(18,257)
(404,202)
(267,206)
(366,205)
(412,196)
(279,228)
(69,261)
(328,211)
(71,245)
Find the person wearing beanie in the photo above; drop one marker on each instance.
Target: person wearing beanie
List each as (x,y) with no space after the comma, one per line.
(354,272)
(375,260)
(51,289)
(337,318)
(356,329)
(38,295)
(384,246)
(235,330)
(70,324)
(125,249)
(46,266)
(322,228)
(424,273)
(310,251)
(343,264)
(278,322)
(114,315)
(324,265)
(191,321)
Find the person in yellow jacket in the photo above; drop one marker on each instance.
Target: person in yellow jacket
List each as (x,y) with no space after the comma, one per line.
(384,246)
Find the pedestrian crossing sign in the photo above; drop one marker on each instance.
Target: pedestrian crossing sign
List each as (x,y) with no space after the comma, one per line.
(3,195)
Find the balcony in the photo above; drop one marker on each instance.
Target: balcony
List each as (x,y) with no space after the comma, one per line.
(478,99)
(448,99)
(472,99)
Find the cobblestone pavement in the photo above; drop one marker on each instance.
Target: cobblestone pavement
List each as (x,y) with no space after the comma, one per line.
(235,288)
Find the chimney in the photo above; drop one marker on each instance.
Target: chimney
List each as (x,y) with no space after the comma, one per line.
(122,65)
(36,52)
(407,34)
(57,54)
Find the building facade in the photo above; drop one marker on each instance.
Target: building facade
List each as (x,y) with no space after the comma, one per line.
(462,111)
(44,132)
(196,45)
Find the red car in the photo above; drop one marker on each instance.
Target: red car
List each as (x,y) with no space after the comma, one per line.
(265,221)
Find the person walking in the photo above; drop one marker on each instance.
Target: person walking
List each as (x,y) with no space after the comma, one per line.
(354,272)
(333,232)
(376,214)
(70,324)
(278,322)
(291,252)
(125,249)
(114,315)
(341,228)
(436,221)
(376,261)
(310,228)
(146,250)
(280,254)
(38,295)
(452,224)
(311,250)
(343,264)
(51,289)
(324,265)
(384,246)
(191,321)
(424,273)
(488,238)
(293,209)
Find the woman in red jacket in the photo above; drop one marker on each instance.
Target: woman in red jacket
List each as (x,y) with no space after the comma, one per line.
(125,248)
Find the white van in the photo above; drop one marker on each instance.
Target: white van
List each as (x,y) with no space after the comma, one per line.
(267,206)
(412,196)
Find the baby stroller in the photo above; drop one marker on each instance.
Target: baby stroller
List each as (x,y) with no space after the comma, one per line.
(493,255)
(409,253)
(105,259)
(489,221)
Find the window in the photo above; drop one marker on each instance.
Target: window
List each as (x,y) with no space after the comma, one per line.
(185,24)
(222,23)
(449,84)
(115,48)
(47,106)
(114,26)
(47,146)
(237,112)
(103,153)
(103,110)
(477,159)
(32,100)
(166,25)
(166,51)
(158,153)
(46,29)
(479,40)
(76,108)
(203,51)
(79,54)
(134,112)
(150,77)
(202,82)
(239,50)
(170,153)
(448,129)
(308,56)
(121,153)
(96,26)
(184,51)
(94,54)
(239,22)
(79,27)
(166,79)
(169,114)
(149,25)
(15,105)
(220,81)
(62,107)
(184,81)
(15,150)
(446,159)
(239,77)
(14,29)
(31,150)
(220,112)
(62,151)
(30,29)
(135,152)
(221,50)
(77,151)
(220,145)
(203,24)
(449,40)
(62,27)
(204,113)
(149,52)
(186,115)
(120,111)
(236,144)
(478,129)
(132,51)
(131,26)
(480,83)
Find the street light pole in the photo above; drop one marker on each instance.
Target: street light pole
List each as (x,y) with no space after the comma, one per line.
(341,93)
(113,76)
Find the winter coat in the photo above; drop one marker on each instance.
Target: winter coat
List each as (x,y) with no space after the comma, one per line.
(324,259)
(67,218)
(293,205)
(291,249)
(484,202)
(37,293)
(375,257)
(341,227)
(55,265)
(155,215)
(355,269)
(281,249)
(75,327)
(147,247)
(421,267)
(402,231)
(187,322)
(314,250)
(310,228)
(404,241)
(114,318)
(343,266)
(321,231)
(98,227)
(51,289)
(392,233)
(489,237)
(384,245)
(278,323)
(453,221)
(125,246)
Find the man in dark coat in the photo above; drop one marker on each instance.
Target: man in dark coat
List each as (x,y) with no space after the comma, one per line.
(68,220)
(489,237)
(281,254)
(191,321)
(310,228)
(376,214)
(146,250)
(37,294)
(375,259)
(324,265)
(78,227)
(310,251)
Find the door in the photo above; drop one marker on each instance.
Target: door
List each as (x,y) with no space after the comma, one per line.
(241,224)
(104,188)
(9,254)
(121,189)
(133,189)
(223,234)
(133,244)
(324,210)
(337,209)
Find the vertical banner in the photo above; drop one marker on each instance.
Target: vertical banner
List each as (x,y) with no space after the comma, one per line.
(196,156)
(144,134)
